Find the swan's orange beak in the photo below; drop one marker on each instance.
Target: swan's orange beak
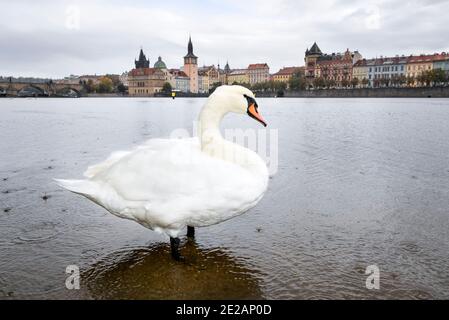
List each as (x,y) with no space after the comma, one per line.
(253,113)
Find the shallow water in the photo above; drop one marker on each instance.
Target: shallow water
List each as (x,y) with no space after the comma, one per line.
(359,182)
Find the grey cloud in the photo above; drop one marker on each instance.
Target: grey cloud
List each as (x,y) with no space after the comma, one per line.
(276,31)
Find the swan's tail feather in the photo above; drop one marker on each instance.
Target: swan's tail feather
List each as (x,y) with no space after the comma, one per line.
(84,187)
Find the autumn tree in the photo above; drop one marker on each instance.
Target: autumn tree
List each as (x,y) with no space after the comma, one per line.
(354,82)
(167,88)
(365,82)
(105,85)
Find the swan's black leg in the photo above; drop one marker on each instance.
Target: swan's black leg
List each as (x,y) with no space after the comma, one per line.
(190,232)
(174,245)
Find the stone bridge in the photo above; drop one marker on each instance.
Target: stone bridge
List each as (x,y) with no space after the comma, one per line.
(45,88)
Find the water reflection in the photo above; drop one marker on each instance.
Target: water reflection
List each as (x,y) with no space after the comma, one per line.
(151,273)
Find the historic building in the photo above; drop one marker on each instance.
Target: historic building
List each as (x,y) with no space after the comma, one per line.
(146,81)
(143,80)
(380,72)
(386,71)
(311,61)
(258,72)
(124,78)
(416,65)
(360,72)
(191,67)
(336,67)
(223,74)
(180,81)
(238,76)
(94,79)
(207,77)
(442,63)
(159,64)
(399,70)
(203,82)
(285,74)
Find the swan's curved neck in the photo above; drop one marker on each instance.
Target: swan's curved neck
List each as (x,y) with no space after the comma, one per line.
(213,143)
(209,125)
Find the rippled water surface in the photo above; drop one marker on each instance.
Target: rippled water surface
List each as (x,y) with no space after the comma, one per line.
(359,182)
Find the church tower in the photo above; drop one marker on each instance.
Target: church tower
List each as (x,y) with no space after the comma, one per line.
(191,67)
(311,61)
(143,62)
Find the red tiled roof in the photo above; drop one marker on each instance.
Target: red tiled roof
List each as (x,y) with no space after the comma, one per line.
(257,66)
(361,63)
(288,71)
(178,73)
(238,72)
(428,58)
(143,71)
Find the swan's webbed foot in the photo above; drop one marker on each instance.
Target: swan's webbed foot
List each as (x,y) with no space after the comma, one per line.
(174,245)
(190,232)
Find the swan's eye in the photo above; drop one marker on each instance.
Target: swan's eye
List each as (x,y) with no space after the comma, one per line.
(250,100)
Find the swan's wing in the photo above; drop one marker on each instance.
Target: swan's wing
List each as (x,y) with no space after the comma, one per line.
(177,173)
(116,156)
(97,168)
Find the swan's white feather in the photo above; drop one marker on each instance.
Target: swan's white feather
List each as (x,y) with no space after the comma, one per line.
(114,157)
(168,184)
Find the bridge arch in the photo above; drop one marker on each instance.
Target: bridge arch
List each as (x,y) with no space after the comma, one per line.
(31,91)
(68,92)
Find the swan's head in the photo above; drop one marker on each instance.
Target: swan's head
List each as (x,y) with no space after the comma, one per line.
(237,99)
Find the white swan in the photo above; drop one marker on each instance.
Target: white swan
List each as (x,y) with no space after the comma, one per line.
(169,184)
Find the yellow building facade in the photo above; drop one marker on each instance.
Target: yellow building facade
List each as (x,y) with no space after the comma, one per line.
(145,81)
(285,74)
(238,76)
(416,65)
(360,71)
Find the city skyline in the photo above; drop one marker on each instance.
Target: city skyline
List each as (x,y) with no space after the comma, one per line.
(48,39)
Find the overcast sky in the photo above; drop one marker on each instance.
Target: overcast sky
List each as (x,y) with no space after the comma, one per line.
(49,38)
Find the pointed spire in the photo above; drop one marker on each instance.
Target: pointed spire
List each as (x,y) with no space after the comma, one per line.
(142,62)
(315,49)
(227,69)
(190,49)
(190,46)
(141,54)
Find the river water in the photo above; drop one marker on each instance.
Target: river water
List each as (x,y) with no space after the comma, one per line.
(359,182)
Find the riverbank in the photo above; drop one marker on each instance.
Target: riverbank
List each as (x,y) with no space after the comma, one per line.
(432,92)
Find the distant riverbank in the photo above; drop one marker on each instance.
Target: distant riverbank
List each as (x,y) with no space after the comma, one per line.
(431,92)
